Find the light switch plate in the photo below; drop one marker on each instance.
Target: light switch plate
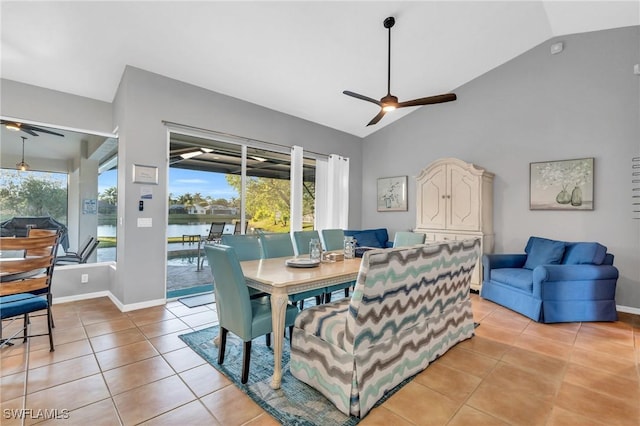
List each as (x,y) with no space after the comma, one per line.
(144,222)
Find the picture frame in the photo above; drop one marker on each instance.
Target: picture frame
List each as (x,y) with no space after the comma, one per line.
(561,184)
(392,194)
(145,174)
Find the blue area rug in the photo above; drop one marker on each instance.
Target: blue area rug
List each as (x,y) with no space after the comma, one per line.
(295,403)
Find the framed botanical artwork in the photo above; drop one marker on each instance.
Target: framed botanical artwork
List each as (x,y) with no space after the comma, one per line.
(392,194)
(561,185)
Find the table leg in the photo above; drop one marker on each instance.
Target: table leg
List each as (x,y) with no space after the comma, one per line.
(279,302)
(198,264)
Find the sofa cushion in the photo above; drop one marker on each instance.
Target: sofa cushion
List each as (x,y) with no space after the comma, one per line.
(584,253)
(514,277)
(542,251)
(369,237)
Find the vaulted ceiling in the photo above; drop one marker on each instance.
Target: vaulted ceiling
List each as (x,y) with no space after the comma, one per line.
(293,57)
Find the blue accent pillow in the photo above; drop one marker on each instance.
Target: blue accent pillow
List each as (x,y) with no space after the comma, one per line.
(366,239)
(584,254)
(542,251)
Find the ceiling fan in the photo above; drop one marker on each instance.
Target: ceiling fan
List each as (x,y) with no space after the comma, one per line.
(390,102)
(27,128)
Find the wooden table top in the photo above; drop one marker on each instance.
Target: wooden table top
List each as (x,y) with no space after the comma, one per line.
(276,273)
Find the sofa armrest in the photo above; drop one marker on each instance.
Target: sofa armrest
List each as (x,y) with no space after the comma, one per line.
(499,261)
(547,273)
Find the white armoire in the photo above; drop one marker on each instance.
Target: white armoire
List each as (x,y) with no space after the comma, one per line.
(455,201)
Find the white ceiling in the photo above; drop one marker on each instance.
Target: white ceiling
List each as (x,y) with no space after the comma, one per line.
(293,57)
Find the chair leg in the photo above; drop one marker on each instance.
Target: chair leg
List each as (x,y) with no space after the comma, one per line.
(346,292)
(327,297)
(50,326)
(267,339)
(319,300)
(222,345)
(290,334)
(301,304)
(25,325)
(246,357)
(50,301)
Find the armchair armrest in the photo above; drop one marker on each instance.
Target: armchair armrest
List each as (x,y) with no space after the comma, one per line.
(499,261)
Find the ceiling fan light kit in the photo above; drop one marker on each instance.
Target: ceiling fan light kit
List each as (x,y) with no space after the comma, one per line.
(390,102)
(22,166)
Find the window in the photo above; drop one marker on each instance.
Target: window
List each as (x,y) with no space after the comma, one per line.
(33,193)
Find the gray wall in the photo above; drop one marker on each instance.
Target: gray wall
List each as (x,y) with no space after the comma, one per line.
(583,102)
(142,102)
(145,99)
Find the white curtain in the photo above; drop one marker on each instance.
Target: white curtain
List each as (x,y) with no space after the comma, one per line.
(296,189)
(332,193)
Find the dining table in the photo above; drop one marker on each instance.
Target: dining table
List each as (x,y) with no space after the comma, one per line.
(276,277)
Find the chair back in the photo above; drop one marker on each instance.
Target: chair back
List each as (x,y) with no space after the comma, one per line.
(302,239)
(32,273)
(215,232)
(238,228)
(400,287)
(406,239)
(276,245)
(333,239)
(230,287)
(89,251)
(36,232)
(86,245)
(247,247)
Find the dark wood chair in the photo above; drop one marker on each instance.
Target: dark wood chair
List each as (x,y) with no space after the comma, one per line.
(25,283)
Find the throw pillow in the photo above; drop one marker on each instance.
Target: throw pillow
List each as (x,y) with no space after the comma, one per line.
(584,253)
(366,239)
(544,252)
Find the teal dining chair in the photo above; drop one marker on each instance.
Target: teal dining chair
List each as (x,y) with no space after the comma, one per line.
(333,239)
(245,317)
(302,240)
(405,239)
(280,245)
(276,244)
(247,247)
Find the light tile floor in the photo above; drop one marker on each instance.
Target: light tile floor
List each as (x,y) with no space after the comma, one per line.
(114,368)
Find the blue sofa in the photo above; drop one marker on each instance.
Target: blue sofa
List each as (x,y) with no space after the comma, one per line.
(554,281)
(378,238)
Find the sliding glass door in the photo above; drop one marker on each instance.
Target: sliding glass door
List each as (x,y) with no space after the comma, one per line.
(248,188)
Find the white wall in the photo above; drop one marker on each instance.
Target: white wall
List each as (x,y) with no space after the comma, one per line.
(583,102)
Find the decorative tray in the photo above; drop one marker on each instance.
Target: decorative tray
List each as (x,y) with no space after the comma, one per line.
(304,262)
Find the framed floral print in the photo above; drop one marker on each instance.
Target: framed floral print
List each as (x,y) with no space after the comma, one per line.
(392,194)
(561,185)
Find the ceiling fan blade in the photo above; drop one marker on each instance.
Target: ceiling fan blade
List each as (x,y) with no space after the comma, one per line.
(41,130)
(362,97)
(438,99)
(377,118)
(28,130)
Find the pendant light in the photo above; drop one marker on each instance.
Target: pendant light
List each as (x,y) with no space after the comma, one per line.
(22,166)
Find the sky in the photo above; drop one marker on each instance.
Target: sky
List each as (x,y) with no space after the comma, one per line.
(182,181)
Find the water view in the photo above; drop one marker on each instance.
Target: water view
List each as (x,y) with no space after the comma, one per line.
(176,230)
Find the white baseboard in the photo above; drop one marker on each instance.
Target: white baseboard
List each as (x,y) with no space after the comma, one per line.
(136,306)
(84,296)
(628,309)
(122,307)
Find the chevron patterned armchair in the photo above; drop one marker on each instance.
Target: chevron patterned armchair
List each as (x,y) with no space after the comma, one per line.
(408,307)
